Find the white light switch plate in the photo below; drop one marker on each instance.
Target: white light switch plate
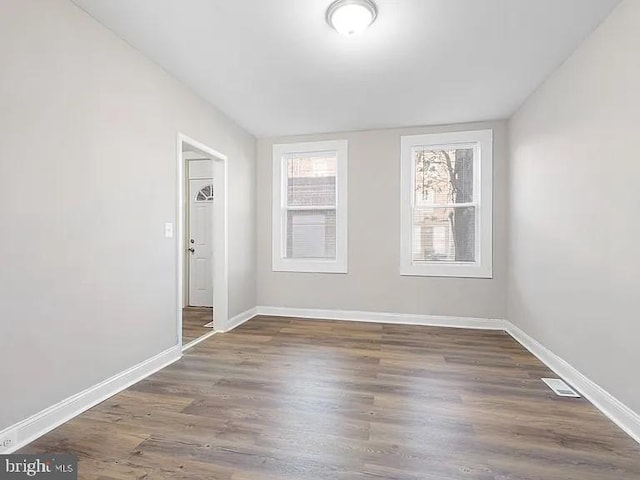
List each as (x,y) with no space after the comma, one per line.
(168,230)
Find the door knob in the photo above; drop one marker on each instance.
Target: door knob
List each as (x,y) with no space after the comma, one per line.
(192,250)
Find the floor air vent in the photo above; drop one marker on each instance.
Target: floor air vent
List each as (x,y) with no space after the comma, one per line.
(560,388)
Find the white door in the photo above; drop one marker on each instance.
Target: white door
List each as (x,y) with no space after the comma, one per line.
(200,242)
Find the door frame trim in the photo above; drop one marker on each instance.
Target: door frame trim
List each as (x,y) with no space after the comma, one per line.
(220,236)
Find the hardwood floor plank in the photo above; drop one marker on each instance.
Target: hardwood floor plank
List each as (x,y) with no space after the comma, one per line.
(292,399)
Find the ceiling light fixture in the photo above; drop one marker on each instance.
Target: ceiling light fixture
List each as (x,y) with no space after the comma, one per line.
(350,17)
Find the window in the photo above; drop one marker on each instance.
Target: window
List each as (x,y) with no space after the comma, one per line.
(310,207)
(205,194)
(446,204)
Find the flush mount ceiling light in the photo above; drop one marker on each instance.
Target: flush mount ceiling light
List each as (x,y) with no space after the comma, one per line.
(350,17)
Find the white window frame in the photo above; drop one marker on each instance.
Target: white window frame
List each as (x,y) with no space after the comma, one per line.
(280,263)
(482,142)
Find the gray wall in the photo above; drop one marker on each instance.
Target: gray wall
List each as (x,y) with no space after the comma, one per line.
(87,178)
(373,282)
(574,217)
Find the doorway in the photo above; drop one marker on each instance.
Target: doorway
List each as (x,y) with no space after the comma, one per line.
(202,241)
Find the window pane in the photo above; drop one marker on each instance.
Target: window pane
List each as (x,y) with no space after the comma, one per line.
(442,234)
(311,234)
(311,179)
(443,176)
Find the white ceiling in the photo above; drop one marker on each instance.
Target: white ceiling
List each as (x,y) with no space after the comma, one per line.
(277,68)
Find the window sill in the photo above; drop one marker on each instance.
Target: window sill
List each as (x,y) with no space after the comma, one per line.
(296,266)
(451,270)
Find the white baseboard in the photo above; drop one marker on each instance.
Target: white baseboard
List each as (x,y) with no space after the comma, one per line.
(195,342)
(233,322)
(239,319)
(384,317)
(616,411)
(46,420)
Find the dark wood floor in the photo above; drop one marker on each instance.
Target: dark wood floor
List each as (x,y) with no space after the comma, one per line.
(194,320)
(308,400)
